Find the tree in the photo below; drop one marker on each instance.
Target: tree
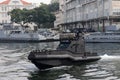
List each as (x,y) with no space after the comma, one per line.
(54,1)
(21,16)
(41,15)
(53,7)
(16,15)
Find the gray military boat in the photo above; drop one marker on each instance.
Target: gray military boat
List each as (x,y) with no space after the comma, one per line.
(69,52)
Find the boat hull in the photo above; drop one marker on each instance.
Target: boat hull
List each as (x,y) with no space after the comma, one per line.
(43,63)
(26,41)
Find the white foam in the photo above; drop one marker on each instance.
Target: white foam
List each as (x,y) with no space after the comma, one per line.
(110,57)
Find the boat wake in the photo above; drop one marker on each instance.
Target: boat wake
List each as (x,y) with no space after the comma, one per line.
(57,68)
(110,57)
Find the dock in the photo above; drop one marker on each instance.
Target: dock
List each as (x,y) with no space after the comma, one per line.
(33,41)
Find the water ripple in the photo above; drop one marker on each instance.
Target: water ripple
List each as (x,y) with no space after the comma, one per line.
(14,64)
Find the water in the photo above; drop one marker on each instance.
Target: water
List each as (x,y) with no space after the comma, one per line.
(14,64)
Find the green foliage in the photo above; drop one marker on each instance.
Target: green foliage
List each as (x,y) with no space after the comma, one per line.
(19,16)
(53,7)
(42,15)
(16,15)
(54,1)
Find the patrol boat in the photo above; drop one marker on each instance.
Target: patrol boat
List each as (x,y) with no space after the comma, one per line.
(67,53)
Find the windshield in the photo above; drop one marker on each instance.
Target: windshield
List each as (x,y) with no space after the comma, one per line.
(63,45)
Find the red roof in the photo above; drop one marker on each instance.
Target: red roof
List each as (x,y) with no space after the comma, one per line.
(23,2)
(5,2)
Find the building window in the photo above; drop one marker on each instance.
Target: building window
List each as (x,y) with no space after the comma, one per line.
(2,21)
(6,15)
(2,8)
(5,8)
(15,2)
(5,21)
(3,15)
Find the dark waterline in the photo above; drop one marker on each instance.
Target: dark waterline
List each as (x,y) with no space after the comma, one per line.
(14,64)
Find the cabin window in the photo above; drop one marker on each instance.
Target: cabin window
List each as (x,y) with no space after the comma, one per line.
(63,46)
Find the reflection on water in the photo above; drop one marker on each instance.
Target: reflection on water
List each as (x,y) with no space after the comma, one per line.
(14,64)
(92,71)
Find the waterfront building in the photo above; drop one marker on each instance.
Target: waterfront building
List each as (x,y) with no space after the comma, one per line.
(95,14)
(60,15)
(58,19)
(8,5)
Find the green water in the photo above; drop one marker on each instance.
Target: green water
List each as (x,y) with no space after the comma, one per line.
(14,64)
